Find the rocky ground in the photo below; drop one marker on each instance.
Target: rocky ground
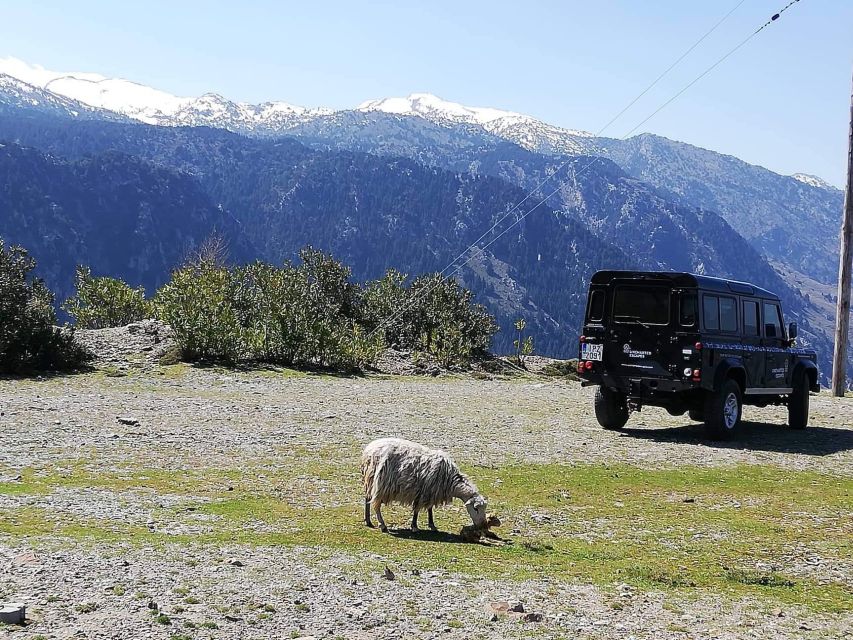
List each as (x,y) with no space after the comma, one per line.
(116,519)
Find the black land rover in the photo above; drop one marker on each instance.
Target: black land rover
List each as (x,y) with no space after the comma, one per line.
(691,343)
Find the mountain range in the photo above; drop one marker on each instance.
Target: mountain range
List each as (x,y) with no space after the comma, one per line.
(134,177)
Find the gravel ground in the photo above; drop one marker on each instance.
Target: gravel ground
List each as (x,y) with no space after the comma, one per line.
(186,418)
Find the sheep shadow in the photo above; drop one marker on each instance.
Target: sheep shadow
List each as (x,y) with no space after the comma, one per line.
(757,436)
(427,535)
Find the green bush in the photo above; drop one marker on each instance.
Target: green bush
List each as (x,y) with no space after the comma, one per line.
(311,314)
(198,303)
(434,314)
(562,368)
(28,338)
(106,302)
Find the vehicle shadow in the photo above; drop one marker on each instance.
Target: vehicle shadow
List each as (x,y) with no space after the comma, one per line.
(758,436)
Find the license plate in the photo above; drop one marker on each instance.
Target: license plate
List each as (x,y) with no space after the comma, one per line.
(592,351)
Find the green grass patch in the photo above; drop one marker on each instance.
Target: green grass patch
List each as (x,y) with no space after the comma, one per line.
(685,529)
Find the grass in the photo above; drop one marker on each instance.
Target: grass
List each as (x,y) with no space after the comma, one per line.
(607,524)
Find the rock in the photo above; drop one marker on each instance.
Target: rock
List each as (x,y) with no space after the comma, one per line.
(234,562)
(130,422)
(388,574)
(517,607)
(533,617)
(13,613)
(689,500)
(153,605)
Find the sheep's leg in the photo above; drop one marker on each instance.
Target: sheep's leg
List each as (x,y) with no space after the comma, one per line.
(415,519)
(378,507)
(431,523)
(367,513)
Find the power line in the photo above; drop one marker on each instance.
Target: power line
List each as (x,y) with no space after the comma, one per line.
(481,250)
(712,67)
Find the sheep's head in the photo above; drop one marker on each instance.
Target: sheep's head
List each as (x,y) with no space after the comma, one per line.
(476,507)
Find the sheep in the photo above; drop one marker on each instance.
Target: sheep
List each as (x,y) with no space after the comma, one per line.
(397,470)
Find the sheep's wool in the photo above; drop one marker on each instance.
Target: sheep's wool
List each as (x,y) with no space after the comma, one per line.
(397,470)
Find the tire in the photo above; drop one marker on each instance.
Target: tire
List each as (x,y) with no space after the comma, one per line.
(611,409)
(798,405)
(697,415)
(723,411)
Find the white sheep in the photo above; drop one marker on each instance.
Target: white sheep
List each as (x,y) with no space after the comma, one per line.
(397,470)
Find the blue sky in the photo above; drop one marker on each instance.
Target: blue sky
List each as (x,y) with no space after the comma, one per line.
(782,101)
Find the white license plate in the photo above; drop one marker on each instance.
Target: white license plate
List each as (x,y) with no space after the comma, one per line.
(592,351)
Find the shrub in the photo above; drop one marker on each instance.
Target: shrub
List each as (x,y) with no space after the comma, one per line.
(302,315)
(106,302)
(28,338)
(312,314)
(434,314)
(198,303)
(562,368)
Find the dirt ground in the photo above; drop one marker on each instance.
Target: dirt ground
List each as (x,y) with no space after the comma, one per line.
(75,448)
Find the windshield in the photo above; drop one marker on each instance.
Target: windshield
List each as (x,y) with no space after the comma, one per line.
(642,305)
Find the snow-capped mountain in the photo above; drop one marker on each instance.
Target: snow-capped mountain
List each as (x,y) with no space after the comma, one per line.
(15,93)
(153,106)
(522,129)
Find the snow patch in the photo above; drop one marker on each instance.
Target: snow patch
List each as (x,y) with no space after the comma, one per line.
(813,181)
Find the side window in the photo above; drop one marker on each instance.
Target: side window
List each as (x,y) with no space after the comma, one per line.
(596,306)
(728,314)
(772,321)
(750,318)
(711,312)
(687,310)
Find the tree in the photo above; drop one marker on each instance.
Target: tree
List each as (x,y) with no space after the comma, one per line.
(28,338)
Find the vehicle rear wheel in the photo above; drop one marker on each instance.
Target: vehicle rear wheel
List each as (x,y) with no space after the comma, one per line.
(798,405)
(723,410)
(697,415)
(611,408)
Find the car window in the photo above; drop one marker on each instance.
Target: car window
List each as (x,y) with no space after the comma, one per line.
(728,314)
(711,312)
(687,314)
(648,305)
(596,306)
(750,318)
(772,321)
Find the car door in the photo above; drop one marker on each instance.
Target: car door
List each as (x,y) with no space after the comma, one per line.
(776,355)
(753,353)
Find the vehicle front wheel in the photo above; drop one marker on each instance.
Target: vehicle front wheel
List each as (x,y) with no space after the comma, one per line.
(798,405)
(723,409)
(611,408)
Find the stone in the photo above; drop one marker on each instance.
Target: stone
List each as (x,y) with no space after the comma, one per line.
(388,574)
(13,613)
(234,562)
(130,422)
(533,617)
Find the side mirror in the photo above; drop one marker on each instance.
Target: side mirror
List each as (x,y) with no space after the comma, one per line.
(792,330)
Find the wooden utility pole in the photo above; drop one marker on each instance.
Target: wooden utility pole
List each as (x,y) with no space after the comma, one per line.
(842,318)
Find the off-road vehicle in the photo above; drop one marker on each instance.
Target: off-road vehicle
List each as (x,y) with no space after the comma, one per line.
(691,343)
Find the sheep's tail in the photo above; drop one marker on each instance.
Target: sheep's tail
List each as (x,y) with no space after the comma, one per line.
(368,475)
